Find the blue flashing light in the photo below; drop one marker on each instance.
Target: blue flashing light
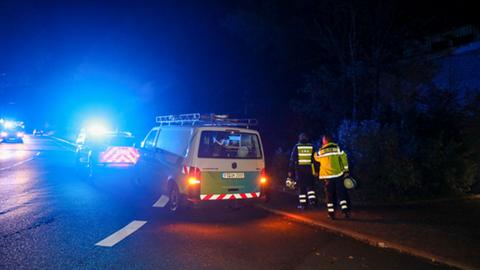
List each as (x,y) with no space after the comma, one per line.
(97,130)
(8,124)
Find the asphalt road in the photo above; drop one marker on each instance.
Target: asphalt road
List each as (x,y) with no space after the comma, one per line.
(51,218)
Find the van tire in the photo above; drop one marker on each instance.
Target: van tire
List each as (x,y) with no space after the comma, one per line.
(174,198)
(82,170)
(137,179)
(91,173)
(266,196)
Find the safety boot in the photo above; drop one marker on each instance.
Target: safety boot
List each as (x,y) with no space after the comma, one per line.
(331,216)
(346,213)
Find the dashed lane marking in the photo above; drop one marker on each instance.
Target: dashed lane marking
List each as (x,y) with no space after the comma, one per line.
(20,162)
(161,202)
(121,234)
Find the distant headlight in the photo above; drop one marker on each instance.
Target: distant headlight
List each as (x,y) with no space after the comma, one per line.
(3,134)
(8,124)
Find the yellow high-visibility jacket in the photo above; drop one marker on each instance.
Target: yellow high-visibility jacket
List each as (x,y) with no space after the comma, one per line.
(333,161)
(302,155)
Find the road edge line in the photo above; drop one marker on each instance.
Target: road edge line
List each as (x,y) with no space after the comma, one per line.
(371,240)
(471,197)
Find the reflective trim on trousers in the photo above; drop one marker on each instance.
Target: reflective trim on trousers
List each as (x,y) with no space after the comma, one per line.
(343,202)
(311,192)
(331,210)
(312,197)
(344,207)
(303,201)
(302,196)
(329,204)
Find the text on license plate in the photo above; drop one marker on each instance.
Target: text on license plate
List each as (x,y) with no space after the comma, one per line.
(233,175)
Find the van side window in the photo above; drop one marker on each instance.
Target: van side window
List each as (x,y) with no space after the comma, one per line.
(150,139)
(174,140)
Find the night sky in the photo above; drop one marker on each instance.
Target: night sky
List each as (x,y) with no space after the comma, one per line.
(63,61)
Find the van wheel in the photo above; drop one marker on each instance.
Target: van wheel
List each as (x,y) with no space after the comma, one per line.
(174,198)
(78,166)
(266,196)
(90,172)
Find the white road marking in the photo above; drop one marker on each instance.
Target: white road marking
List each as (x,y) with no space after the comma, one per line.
(121,234)
(162,201)
(64,141)
(20,162)
(61,142)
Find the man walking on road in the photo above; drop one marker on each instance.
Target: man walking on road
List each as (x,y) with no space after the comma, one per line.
(333,168)
(301,161)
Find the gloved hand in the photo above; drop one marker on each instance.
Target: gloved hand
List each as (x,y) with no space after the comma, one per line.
(289,174)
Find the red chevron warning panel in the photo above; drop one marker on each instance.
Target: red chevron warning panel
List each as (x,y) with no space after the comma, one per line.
(118,154)
(234,196)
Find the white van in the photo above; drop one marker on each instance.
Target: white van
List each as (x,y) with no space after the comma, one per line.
(194,157)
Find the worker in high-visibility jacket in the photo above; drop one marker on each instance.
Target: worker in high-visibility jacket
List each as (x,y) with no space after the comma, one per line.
(333,168)
(301,163)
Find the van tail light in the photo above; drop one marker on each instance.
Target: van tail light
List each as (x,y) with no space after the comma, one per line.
(263,177)
(194,175)
(120,154)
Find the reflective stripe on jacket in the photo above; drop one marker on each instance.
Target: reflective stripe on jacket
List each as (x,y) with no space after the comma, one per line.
(304,154)
(333,161)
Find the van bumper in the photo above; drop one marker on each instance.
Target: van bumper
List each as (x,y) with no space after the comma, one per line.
(223,198)
(199,204)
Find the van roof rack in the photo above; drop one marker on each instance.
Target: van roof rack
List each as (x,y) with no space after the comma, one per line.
(197,119)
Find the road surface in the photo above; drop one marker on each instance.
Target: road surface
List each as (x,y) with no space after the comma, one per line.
(52,218)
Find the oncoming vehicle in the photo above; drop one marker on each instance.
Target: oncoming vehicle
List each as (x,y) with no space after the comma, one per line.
(106,150)
(12,132)
(197,158)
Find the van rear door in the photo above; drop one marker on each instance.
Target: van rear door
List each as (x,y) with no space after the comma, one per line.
(231,163)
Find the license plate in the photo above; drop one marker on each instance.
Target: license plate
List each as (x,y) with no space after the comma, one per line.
(233,175)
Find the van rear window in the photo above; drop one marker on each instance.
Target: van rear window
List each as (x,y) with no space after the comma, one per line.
(110,141)
(224,144)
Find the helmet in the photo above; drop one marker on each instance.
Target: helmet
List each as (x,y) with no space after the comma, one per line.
(349,183)
(290,183)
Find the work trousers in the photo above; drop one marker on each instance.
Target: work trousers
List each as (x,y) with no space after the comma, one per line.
(336,191)
(306,184)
